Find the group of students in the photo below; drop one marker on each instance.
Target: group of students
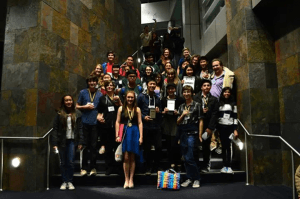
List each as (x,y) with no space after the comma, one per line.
(135,107)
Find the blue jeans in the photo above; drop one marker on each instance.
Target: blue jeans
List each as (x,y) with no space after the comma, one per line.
(189,151)
(67,155)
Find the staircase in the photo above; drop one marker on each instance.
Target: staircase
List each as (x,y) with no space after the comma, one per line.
(214,176)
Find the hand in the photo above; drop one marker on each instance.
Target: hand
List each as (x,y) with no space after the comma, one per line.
(100,118)
(205,110)
(200,137)
(141,141)
(175,112)
(89,106)
(117,91)
(178,141)
(209,132)
(185,112)
(236,134)
(166,110)
(156,109)
(116,98)
(55,148)
(123,66)
(147,118)
(182,81)
(79,146)
(118,139)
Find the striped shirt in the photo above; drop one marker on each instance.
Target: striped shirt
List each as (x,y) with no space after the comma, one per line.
(227,116)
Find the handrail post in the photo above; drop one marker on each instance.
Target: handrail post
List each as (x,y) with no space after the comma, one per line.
(1,183)
(293,174)
(48,162)
(246,150)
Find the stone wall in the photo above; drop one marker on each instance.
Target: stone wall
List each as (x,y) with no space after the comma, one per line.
(50,48)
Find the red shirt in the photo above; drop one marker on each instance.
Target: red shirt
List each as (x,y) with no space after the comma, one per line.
(109,67)
(123,73)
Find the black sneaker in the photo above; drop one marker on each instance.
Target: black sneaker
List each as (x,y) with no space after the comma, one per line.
(148,172)
(108,171)
(205,170)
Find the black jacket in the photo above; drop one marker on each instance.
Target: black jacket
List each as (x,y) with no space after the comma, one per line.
(58,135)
(211,116)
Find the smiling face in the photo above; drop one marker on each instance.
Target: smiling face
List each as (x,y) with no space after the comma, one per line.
(206,87)
(217,67)
(148,70)
(130,98)
(106,78)
(129,61)
(110,57)
(203,63)
(171,90)
(227,94)
(98,70)
(158,79)
(131,78)
(149,59)
(186,53)
(110,87)
(151,86)
(195,61)
(189,71)
(92,83)
(187,94)
(115,71)
(166,53)
(170,75)
(168,66)
(68,101)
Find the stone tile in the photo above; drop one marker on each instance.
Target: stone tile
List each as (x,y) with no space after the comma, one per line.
(288,71)
(88,3)
(34,35)
(61,25)
(109,5)
(85,18)
(21,46)
(5,107)
(74,12)
(236,27)
(43,76)
(242,77)
(264,105)
(18,108)
(290,132)
(19,76)
(271,75)
(23,16)
(260,47)
(46,16)
(252,22)
(244,111)
(9,48)
(72,59)
(31,107)
(58,5)
(281,105)
(291,99)
(58,80)
(257,75)
(73,34)
(84,40)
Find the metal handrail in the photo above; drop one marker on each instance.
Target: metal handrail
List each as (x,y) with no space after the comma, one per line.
(25,138)
(293,150)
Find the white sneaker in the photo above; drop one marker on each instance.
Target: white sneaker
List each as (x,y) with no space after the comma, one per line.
(70,186)
(224,170)
(196,184)
(93,172)
(63,186)
(229,170)
(186,183)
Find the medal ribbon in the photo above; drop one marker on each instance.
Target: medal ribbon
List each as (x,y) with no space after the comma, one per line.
(92,98)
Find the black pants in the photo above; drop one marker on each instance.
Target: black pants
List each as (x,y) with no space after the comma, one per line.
(174,153)
(90,133)
(225,132)
(206,152)
(107,137)
(152,138)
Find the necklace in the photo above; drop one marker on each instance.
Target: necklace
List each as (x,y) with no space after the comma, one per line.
(130,115)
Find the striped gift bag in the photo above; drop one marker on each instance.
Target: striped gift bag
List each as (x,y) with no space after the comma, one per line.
(168,179)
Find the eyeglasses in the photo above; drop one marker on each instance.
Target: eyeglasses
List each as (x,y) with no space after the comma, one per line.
(132,77)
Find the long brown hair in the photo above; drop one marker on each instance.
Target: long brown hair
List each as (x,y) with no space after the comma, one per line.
(64,113)
(176,79)
(94,73)
(125,105)
(162,57)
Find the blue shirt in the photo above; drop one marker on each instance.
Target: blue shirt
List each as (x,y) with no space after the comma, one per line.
(89,116)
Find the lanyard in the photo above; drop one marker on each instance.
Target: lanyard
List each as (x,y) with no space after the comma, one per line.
(108,100)
(92,98)
(205,100)
(150,101)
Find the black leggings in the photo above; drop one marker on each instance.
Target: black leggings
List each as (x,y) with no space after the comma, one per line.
(225,132)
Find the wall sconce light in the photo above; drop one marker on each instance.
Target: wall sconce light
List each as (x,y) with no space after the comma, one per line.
(16,162)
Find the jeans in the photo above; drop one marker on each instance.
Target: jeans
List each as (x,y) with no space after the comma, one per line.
(67,155)
(206,152)
(189,150)
(90,133)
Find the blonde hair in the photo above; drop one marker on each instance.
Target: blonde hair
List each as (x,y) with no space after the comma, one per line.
(176,79)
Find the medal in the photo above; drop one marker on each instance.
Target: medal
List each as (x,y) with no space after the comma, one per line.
(130,124)
(130,115)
